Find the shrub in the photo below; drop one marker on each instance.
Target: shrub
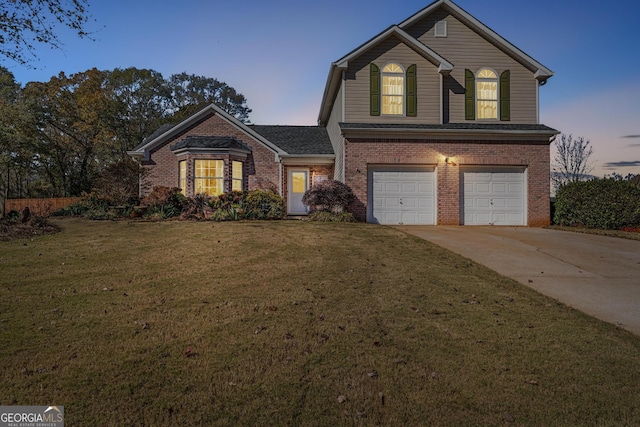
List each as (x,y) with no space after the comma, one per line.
(329,196)
(90,203)
(324,216)
(263,204)
(607,203)
(165,202)
(196,207)
(255,204)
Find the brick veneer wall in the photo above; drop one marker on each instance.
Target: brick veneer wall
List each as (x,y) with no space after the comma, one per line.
(360,154)
(261,170)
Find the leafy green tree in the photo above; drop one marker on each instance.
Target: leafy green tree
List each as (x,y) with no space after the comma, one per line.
(191,93)
(12,159)
(68,129)
(25,23)
(139,104)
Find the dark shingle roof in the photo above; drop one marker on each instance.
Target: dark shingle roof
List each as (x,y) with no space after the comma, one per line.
(297,139)
(453,127)
(213,142)
(162,129)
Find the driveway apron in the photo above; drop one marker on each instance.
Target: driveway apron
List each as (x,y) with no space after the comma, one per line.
(598,275)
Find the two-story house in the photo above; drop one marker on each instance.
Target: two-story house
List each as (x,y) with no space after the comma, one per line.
(433,121)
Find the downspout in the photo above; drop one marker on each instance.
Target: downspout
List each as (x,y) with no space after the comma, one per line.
(441,99)
(280,176)
(343,176)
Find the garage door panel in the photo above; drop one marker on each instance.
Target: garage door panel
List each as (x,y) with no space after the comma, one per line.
(403,197)
(494,197)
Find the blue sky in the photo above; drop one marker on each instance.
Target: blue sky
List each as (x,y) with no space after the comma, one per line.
(278,53)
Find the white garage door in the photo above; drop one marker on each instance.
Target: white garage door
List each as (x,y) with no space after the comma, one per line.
(494,196)
(402,196)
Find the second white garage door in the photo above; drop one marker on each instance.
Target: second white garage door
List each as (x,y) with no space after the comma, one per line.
(494,196)
(402,196)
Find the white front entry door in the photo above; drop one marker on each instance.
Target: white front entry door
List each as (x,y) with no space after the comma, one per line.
(298,183)
(494,196)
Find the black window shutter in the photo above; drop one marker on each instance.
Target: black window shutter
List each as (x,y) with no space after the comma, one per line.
(469,95)
(412,91)
(374,90)
(505,96)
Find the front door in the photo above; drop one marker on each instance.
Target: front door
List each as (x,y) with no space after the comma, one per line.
(298,184)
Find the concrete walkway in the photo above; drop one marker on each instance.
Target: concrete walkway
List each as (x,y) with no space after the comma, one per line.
(595,274)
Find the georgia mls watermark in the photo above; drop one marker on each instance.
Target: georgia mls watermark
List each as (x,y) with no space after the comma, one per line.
(31,416)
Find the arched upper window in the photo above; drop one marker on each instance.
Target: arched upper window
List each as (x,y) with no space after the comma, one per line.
(487,94)
(393,89)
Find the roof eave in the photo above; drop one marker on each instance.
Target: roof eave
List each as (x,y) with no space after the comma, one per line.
(465,134)
(330,93)
(308,159)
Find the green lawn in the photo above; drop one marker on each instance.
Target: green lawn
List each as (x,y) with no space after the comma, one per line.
(294,323)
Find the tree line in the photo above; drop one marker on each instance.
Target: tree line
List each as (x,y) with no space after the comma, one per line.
(59,138)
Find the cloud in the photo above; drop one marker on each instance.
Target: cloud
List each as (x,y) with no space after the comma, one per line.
(622,164)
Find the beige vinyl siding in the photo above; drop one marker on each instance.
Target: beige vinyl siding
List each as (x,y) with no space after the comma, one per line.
(392,50)
(335,135)
(466,49)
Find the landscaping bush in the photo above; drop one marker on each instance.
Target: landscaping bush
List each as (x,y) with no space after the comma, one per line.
(255,204)
(164,202)
(197,207)
(324,216)
(329,196)
(263,204)
(607,203)
(91,206)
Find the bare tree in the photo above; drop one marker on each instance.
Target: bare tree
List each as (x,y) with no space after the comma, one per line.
(23,23)
(571,162)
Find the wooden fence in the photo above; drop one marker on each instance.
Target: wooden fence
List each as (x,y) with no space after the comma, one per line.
(40,207)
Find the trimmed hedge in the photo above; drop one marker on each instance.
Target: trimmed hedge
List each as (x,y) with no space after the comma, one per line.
(607,203)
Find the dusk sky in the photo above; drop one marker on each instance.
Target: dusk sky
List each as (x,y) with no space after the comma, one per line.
(277,53)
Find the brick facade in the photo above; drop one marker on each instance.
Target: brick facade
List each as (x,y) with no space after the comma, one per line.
(361,154)
(260,168)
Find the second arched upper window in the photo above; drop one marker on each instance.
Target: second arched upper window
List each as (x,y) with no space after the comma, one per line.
(487,94)
(393,91)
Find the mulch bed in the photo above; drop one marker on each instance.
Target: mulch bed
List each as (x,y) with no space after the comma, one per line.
(12,230)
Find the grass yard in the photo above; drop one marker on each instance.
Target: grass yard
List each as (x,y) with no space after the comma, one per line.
(294,323)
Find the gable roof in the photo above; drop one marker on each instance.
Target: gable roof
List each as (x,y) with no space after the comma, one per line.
(165,133)
(297,140)
(541,73)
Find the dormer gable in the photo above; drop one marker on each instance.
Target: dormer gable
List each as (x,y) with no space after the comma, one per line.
(433,41)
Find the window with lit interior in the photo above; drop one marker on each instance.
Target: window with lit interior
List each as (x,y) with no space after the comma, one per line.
(182,176)
(236,176)
(209,177)
(392,90)
(487,94)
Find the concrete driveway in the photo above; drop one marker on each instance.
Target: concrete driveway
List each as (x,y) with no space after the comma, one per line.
(595,274)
